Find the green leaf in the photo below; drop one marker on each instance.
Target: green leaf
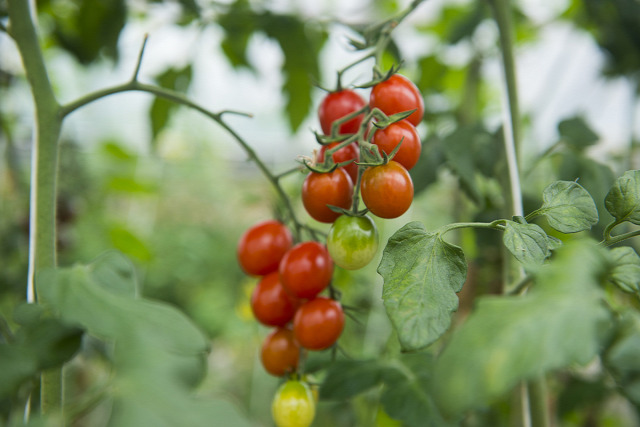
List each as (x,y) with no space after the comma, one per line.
(560,322)
(405,393)
(527,242)
(89,28)
(161,109)
(41,343)
(115,272)
(623,199)
(568,207)
(159,355)
(422,274)
(128,243)
(460,157)
(348,378)
(300,44)
(621,358)
(577,133)
(626,269)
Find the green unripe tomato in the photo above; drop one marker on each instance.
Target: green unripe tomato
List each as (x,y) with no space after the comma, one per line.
(352,241)
(293,405)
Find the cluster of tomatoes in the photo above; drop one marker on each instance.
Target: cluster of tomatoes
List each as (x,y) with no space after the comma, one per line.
(367,149)
(287,296)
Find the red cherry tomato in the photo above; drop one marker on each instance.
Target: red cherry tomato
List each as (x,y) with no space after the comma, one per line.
(388,138)
(271,304)
(262,246)
(398,94)
(306,269)
(280,352)
(337,105)
(322,189)
(318,323)
(350,152)
(387,190)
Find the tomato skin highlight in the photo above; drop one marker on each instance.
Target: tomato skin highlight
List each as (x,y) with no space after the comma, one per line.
(396,95)
(318,323)
(387,190)
(338,104)
(306,270)
(280,352)
(352,241)
(293,405)
(350,152)
(322,189)
(262,246)
(271,304)
(388,138)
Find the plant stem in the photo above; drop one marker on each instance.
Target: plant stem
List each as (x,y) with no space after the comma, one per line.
(179,98)
(45,150)
(534,408)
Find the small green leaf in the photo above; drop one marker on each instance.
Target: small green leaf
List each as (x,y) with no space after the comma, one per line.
(527,242)
(623,199)
(560,322)
(576,132)
(161,109)
(626,269)
(422,274)
(569,208)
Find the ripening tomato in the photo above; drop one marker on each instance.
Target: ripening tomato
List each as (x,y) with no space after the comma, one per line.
(306,269)
(352,241)
(322,189)
(271,304)
(388,138)
(396,95)
(387,190)
(293,405)
(262,246)
(336,105)
(350,152)
(280,352)
(318,323)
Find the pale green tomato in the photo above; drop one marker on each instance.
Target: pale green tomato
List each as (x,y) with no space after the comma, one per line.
(293,405)
(352,241)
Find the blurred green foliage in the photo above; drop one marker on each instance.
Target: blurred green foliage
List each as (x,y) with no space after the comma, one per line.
(178,217)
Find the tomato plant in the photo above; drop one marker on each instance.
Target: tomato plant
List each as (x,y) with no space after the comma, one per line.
(337,105)
(320,190)
(293,405)
(306,269)
(280,352)
(318,323)
(347,153)
(403,131)
(387,190)
(352,241)
(262,246)
(270,303)
(396,95)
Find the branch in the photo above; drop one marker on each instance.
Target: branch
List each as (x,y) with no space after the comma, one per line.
(179,98)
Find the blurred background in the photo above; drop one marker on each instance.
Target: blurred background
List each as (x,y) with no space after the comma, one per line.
(174,192)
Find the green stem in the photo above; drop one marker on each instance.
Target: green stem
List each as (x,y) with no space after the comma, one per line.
(42,245)
(534,408)
(494,225)
(619,238)
(179,98)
